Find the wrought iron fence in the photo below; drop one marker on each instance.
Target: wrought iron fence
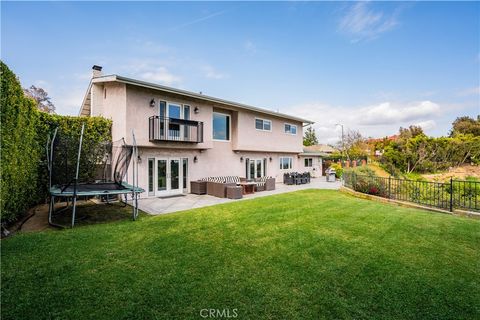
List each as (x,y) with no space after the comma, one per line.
(455,194)
(170,129)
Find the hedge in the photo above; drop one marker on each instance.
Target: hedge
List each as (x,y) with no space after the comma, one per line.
(24,133)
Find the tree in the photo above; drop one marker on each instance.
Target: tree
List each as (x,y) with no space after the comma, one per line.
(41,97)
(465,125)
(355,145)
(310,137)
(410,132)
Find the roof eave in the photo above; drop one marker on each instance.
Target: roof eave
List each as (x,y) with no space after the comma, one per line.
(154,86)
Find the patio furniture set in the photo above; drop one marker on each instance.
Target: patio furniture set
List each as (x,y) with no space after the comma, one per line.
(296,178)
(232,187)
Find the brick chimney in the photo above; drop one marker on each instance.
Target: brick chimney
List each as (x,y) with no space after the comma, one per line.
(96,71)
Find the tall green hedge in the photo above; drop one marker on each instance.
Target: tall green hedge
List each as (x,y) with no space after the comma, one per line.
(24,132)
(19,154)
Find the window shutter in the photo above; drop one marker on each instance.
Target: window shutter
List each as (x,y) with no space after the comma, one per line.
(247,163)
(264,167)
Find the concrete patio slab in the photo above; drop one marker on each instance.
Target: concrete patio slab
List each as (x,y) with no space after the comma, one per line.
(157,206)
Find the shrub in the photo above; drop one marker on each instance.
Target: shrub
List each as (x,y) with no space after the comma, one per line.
(20,152)
(24,132)
(369,185)
(338,169)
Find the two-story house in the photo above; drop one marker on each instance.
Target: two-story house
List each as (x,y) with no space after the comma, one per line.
(184,136)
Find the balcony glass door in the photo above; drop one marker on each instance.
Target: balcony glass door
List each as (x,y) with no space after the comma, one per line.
(255,169)
(169,176)
(174,112)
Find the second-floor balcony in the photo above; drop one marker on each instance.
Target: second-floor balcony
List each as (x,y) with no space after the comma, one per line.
(170,129)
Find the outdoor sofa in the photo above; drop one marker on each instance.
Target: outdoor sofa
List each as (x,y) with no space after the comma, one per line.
(217,186)
(265,184)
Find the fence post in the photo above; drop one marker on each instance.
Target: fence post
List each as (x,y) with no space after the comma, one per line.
(389,187)
(451,194)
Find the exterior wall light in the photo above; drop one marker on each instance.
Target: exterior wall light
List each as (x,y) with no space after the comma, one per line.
(196,110)
(241,159)
(195,159)
(270,159)
(152,103)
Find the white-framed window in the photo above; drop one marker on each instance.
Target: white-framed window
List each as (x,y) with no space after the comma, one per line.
(290,128)
(308,162)
(221,126)
(263,124)
(286,163)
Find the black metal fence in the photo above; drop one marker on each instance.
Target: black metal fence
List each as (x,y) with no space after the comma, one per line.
(170,129)
(455,194)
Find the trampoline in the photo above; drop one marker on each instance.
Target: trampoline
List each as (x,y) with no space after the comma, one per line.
(93,169)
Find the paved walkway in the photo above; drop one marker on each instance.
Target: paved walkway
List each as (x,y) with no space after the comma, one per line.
(191,201)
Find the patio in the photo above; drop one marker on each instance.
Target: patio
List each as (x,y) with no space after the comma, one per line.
(191,201)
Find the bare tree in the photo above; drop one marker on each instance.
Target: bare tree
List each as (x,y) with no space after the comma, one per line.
(41,97)
(353,144)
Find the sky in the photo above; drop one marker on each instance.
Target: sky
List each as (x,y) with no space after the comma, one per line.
(371,66)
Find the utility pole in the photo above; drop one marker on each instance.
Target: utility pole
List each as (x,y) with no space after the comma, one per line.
(343,139)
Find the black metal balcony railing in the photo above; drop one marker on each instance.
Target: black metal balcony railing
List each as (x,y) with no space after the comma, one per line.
(170,129)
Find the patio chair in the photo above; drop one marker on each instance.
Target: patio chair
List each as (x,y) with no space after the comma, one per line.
(297,178)
(288,179)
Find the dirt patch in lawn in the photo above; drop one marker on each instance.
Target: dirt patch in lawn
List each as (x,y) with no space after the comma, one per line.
(88,212)
(460,173)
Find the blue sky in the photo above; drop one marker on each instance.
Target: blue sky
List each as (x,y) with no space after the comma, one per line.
(372,66)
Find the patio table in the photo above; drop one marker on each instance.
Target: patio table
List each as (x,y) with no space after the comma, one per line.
(248,187)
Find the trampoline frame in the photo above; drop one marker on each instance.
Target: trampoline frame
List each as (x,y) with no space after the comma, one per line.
(60,192)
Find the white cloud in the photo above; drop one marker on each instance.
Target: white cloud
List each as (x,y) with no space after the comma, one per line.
(377,120)
(387,113)
(210,73)
(363,23)
(161,75)
(470,92)
(426,125)
(151,70)
(68,101)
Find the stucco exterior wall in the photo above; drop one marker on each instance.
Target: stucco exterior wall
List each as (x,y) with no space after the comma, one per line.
(218,161)
(276,140)
(129,108)
(109,101)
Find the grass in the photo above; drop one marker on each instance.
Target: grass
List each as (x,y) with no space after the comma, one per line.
(306,255)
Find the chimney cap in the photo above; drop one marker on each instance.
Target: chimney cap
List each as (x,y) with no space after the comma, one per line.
(98,68)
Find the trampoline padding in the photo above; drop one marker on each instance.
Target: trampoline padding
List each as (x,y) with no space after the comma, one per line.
(93,189)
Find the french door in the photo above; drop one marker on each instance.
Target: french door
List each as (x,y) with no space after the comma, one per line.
(170,127)
(167,176)
(255,168)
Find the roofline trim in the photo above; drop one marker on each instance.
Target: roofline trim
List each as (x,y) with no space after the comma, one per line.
(114,77)
(85,99)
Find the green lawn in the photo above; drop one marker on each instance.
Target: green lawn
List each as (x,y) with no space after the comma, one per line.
(306,255)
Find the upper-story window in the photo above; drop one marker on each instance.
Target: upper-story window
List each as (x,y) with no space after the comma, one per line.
(262,124)
(221,126)
(290,128)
